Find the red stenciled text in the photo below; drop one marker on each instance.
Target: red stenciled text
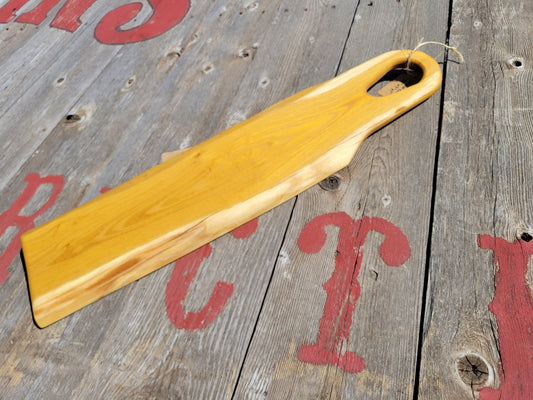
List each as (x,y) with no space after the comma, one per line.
(343,289)
(165,15)
(513,307)
(13,218)
(185,271)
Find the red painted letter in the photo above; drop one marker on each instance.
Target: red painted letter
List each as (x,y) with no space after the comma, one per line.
(245,230)
(12,216)
(68,17)
(38,14)
(166,14)
(7,12)
(342,288)
(513,308)
(185,270)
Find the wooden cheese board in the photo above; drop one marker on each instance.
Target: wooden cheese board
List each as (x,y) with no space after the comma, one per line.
(213,187)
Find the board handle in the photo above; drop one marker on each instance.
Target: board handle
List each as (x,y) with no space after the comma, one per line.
(397,59)
(358,113)
(391,106)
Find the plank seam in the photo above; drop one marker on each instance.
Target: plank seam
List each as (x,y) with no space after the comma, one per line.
(337,68)
(424,320)
(249,345)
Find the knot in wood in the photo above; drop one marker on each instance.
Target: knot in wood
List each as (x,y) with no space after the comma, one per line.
(473,370)
(248,51)
(245,53)
(331,183)
(207,68)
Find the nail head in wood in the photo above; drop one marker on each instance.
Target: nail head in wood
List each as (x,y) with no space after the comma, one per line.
(72,118)
(526,237)
(516,62)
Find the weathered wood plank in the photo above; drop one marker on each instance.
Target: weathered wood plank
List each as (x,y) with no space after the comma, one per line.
(47,72)
(477,329)
(116,97)
(362,324)
(72,150)
(217,354)
(120,346)
(226,61)
(79,152)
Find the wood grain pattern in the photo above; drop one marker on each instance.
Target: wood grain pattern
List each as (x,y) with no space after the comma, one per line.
(180,371)
(377,183)
(238,318)
(485,165)
(100,364)
(44,63)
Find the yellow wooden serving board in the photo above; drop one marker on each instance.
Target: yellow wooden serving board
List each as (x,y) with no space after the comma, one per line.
(212,188)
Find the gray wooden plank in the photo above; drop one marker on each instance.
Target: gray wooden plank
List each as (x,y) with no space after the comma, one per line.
(47,72)
(477,329)
(13,34)
(29,50)
(391,179)
(71,148)
(100,347)
(213,357)
(76,151)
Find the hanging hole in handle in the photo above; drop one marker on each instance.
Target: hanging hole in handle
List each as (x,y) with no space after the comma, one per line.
(395,80)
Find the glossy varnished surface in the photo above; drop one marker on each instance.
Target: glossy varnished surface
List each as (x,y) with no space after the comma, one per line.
(212,188)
